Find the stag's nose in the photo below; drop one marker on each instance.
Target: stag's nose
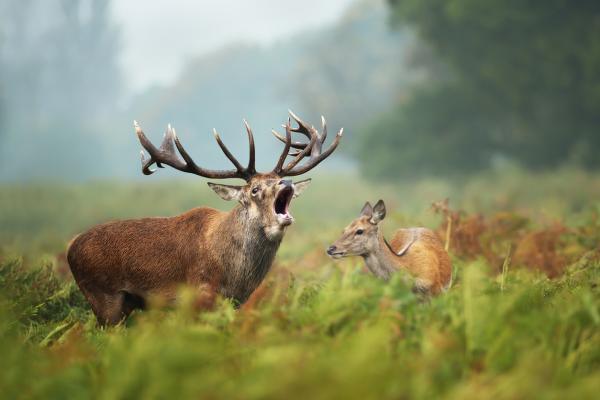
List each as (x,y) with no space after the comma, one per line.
(331,250)
(285,182)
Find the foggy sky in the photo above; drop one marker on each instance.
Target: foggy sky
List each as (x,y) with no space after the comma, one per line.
(159,36)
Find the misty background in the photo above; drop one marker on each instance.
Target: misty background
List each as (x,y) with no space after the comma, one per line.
(422,88)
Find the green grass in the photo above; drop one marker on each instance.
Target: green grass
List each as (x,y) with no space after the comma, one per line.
(341,334)
(317,328)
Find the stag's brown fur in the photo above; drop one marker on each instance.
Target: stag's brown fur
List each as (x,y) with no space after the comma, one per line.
(418,251)
(120,265)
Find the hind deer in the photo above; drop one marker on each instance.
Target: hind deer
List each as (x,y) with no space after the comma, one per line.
(118,265)
(416,250)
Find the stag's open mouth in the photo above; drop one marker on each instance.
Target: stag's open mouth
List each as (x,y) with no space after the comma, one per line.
(281,205)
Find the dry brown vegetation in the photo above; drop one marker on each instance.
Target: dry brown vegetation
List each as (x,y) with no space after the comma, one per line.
(510,236)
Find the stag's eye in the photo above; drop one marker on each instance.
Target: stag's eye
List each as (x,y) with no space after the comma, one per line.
(255,190)
(360,232)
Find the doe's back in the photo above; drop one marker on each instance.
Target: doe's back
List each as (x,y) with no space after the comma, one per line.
(426,259)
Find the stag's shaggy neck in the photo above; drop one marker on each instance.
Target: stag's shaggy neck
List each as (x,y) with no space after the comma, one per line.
(246,253)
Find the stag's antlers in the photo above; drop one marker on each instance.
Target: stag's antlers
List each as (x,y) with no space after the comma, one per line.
(166,154)
(314,147)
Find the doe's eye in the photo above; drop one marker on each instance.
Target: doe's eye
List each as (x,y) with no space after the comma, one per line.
(255,190)
(359,231)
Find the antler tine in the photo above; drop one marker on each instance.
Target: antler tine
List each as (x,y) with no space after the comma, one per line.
(317,148)
(303,153)
(305,130)
(286,149)
(324,129)
(167,143)
(165,154)
(303,127)
(205,172)
(146,162)
(251,169)
(295,145)
(316,159)
(225,150)
(314,147)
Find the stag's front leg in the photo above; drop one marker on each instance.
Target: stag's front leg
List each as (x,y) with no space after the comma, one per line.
(108,308)
(205,298)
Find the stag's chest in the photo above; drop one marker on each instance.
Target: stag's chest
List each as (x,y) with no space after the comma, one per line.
(244,270)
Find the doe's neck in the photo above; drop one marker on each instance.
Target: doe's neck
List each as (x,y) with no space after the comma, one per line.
(381,260)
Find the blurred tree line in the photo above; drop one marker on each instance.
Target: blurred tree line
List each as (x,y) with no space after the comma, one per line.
(65,115)
(352,71)
(454,87)
(349,72)
(505,79)
(59,85)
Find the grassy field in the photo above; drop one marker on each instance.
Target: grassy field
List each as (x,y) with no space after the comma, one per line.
(521,321)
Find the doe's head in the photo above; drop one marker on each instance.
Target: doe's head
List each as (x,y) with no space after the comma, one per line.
(360,237)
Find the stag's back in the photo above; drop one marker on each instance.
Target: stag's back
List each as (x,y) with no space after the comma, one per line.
(144,255)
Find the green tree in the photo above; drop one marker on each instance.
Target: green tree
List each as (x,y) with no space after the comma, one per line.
(521,79)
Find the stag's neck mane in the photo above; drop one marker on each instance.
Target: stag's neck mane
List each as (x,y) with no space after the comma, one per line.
(245,251)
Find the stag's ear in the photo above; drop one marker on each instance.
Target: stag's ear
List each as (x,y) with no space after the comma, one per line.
(227,192)
(378,212)
(300,186)
(367,210)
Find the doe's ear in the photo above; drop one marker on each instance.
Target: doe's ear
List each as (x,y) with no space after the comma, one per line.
(367,210)
(227,192)
(378,212)
(300,186)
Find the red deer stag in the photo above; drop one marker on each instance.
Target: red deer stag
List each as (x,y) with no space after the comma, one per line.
(118,265)
(416,250)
